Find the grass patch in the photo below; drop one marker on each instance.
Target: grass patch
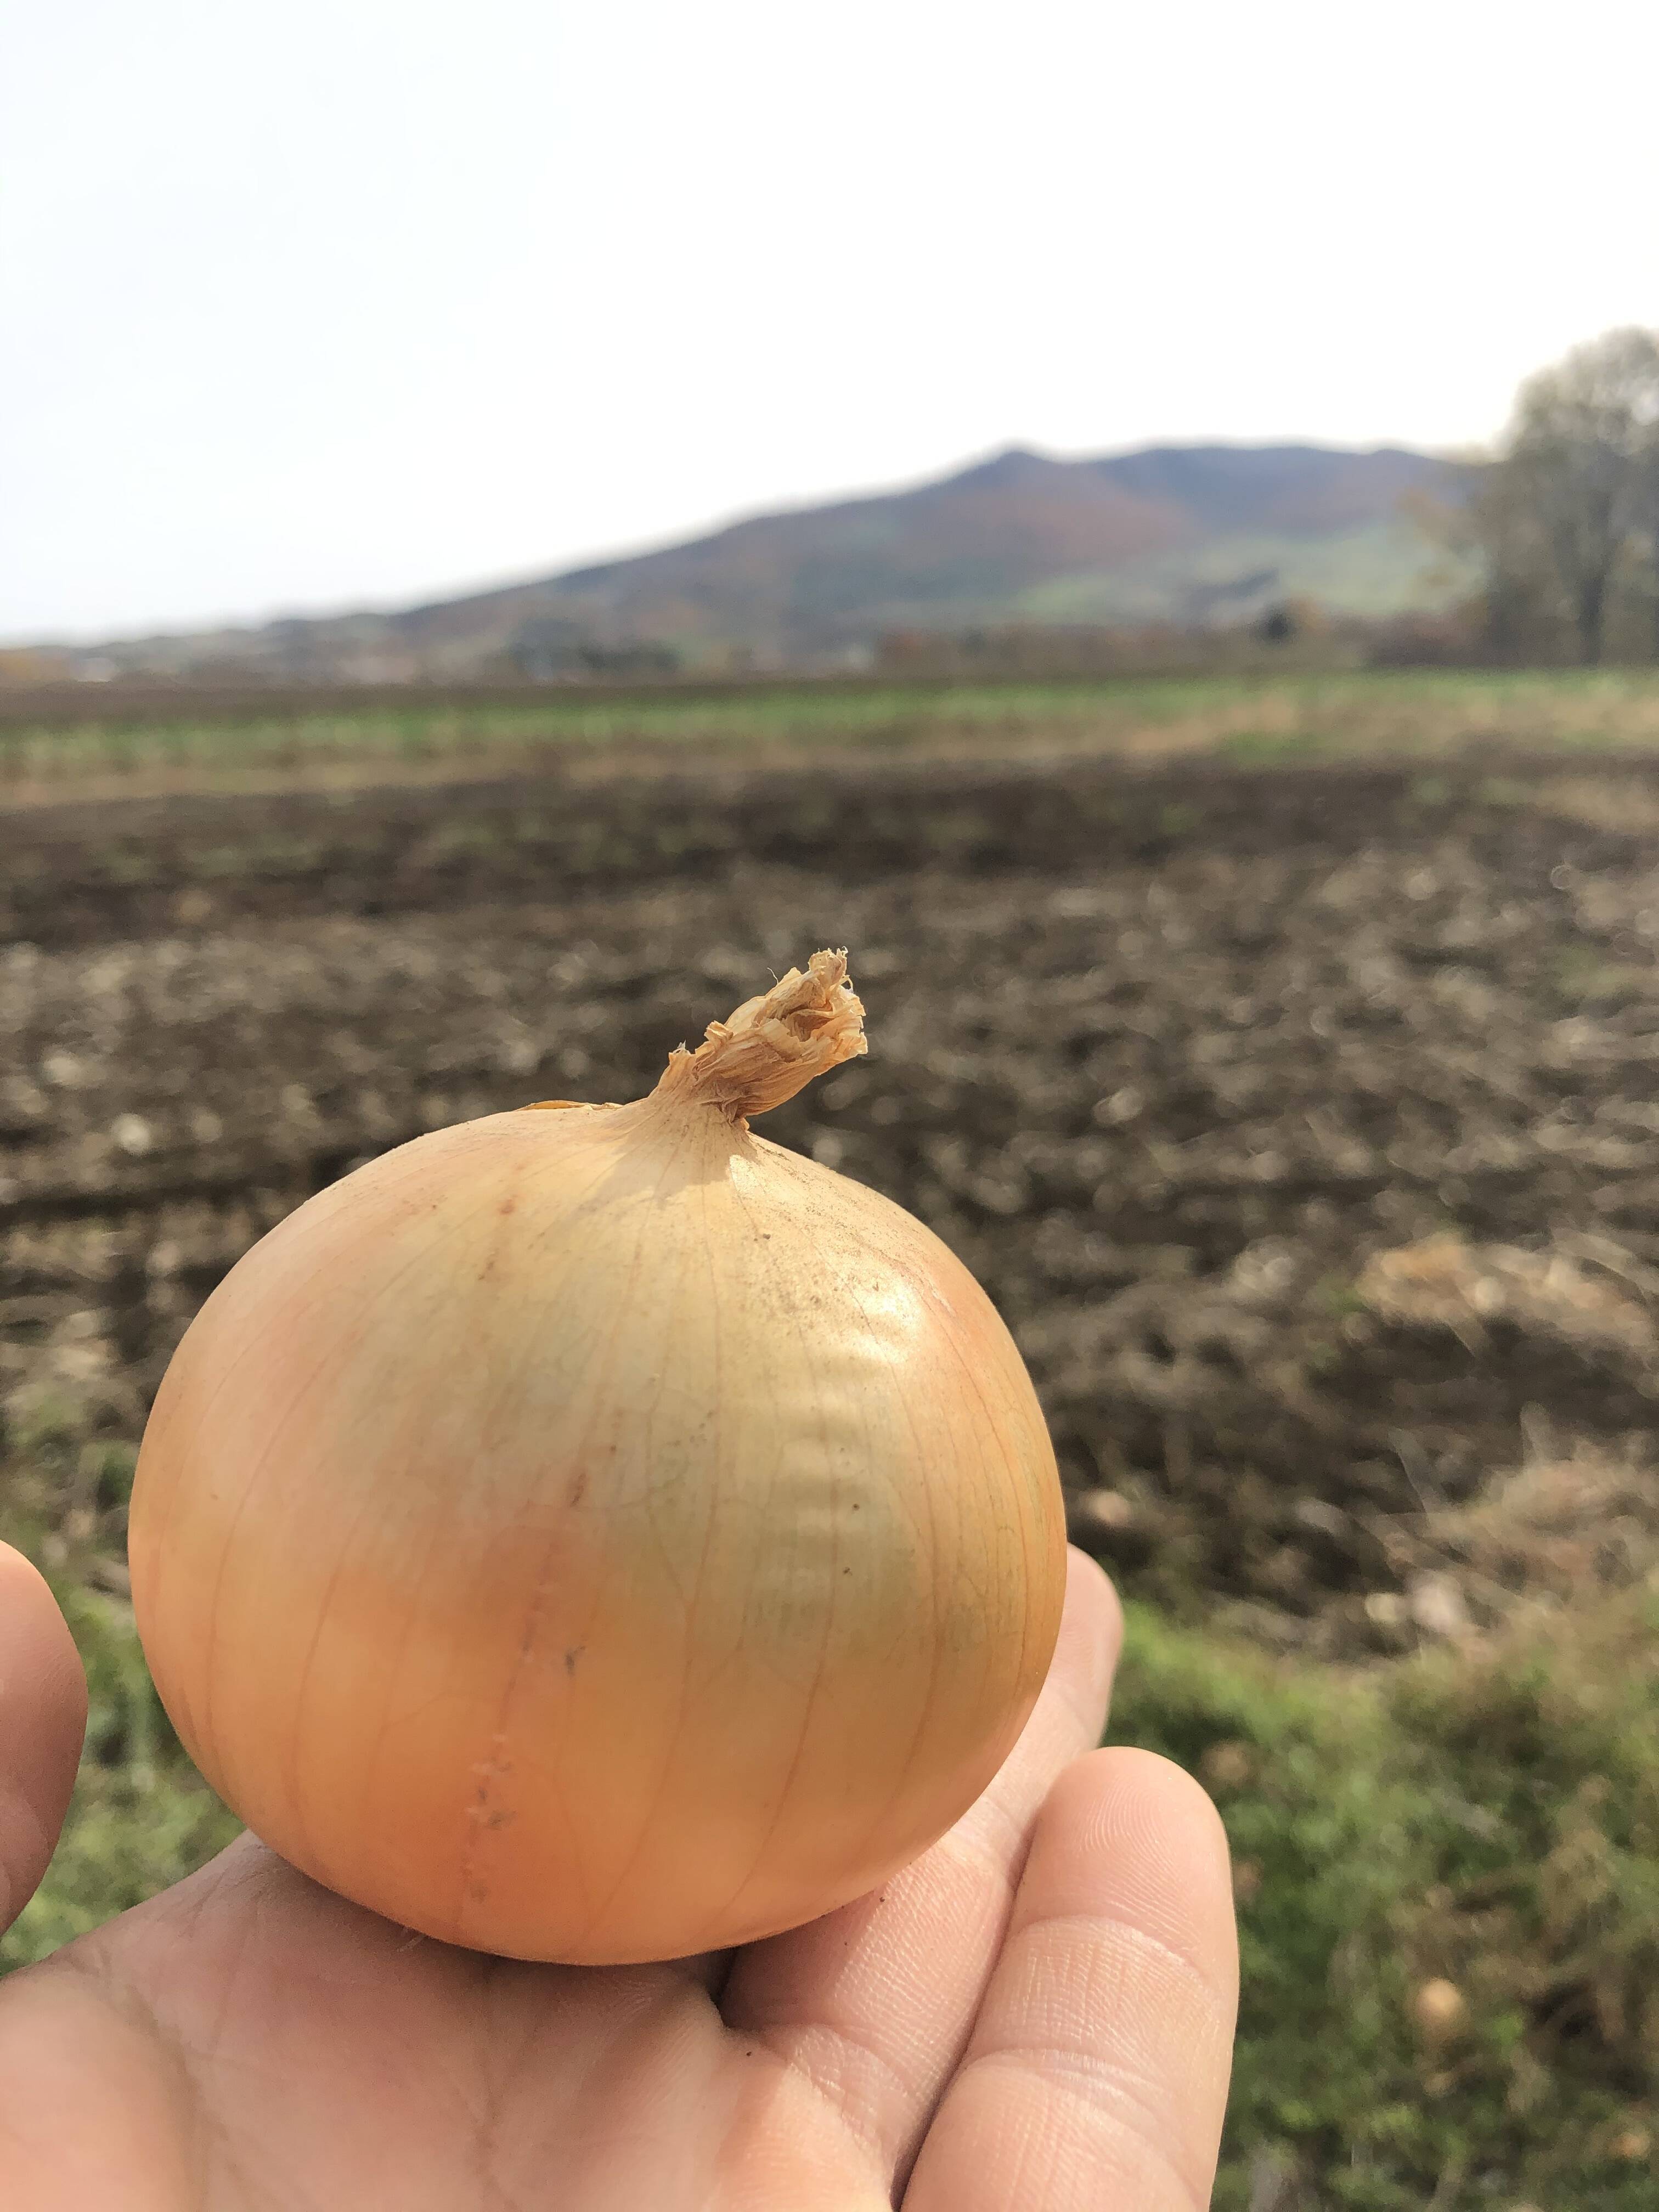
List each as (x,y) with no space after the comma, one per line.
(1259,718)
(1275,748)
(1485,1817)
(142,1817)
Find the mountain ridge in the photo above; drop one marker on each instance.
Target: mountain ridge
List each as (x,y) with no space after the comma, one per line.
(1189,536)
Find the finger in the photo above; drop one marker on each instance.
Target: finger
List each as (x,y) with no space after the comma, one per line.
(875,2003)
(1098,2072)
(43,1718)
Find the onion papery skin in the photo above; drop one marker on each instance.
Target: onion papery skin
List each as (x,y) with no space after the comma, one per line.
(599,1536)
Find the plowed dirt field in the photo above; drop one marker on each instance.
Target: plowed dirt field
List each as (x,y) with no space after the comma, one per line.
(1302,1122)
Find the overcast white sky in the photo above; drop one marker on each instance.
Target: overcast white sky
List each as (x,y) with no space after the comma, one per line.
(343,302)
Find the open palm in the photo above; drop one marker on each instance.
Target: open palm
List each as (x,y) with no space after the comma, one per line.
(1037,2013)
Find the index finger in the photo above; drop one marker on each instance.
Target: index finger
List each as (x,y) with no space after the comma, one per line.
(1096,2078)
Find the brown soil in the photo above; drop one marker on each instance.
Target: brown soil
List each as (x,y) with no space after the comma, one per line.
(1303,1124)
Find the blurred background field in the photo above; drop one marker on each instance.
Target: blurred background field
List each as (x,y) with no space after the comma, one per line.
(1279,1051)
(84,739)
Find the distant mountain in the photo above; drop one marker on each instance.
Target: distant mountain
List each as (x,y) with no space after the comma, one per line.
(1189,535)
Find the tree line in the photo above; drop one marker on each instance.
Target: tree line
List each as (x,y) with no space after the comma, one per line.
(1565,514)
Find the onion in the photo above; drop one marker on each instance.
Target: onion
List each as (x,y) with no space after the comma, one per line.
(601,1534)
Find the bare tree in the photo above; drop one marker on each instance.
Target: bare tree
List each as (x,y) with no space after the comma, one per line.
(1575,496)
(1522,600)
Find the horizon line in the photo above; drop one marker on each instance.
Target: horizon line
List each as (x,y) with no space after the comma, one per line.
(459,595)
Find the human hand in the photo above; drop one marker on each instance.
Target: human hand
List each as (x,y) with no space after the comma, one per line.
(1035,2016)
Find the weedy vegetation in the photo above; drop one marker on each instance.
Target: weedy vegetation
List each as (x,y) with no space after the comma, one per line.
(1343,714)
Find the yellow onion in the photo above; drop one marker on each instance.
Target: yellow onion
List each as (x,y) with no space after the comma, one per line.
(601,1534)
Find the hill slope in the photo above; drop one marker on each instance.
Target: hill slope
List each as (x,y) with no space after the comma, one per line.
(1187,535)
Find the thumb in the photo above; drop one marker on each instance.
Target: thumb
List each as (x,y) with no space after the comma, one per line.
(43,1718)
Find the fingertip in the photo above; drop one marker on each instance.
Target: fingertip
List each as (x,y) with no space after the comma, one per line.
(1098,2068)
(1139,1787)
(43,1718)
(1132,1831)
(37,1651)
(1088,1585)
(1093,1615)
